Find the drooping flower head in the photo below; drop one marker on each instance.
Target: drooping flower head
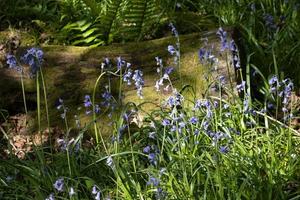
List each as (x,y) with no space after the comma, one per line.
(174,30)
(139,82)
(223,37)
(11,61)
(34,58)
(59,184)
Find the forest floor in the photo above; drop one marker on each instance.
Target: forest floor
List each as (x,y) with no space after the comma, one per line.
(71,72)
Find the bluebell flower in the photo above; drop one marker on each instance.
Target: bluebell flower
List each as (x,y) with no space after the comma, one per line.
(246,104)
(175,100)
(205,125)
(227,114)
(205,56)
(223,37)
(107,61)
(158,61)
(147,149)
(139,82)
(169,70)
(197,105)
(87,101)
(11,61)
(196,132)
(62,143)
(127,77)
(166,122)
(193,120)
(201,54)
(209,113)
(270,106)
(153,181)
(224,149)
(110,162)
(60,104)
(206,104)
(87,104)
(173,29)
(273,80)
(225,106)
(235,55)
(59,184)
(108,98)
(94,189)
(181,124)
(172,50)
(120,63)
(222,80)
(216,104)
(71,192)
(97,109)
(241,87)
(98,196)
(152,135)
(152,158)
(50,197)
(173,128)
(34,58)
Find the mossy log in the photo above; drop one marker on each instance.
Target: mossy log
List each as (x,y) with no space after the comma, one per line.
(70,73)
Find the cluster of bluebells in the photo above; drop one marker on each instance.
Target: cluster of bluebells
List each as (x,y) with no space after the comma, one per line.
(175,100)
(155,182)
(218,137)
(241,87)
(174,51)
(174,30)
(222,34)
(219,84)
(87,103)
(110,162)
(206,56)
(66,144)
(96,193)
(62,107)
(235,55)
(152,152)
(120,133)
(130,75)
(283,89)
(164,73)
(11,60)
(59,186)
(33,57)
(223,37)
(139,82)
(120,63)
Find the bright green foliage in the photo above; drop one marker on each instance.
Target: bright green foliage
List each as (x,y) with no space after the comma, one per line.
(118,20)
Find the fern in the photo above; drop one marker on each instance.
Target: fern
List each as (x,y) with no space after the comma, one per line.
(115,20)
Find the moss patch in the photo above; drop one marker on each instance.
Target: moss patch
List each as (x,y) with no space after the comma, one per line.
(71,72)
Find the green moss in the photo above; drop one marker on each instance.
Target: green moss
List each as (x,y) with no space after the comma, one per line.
(71,72)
